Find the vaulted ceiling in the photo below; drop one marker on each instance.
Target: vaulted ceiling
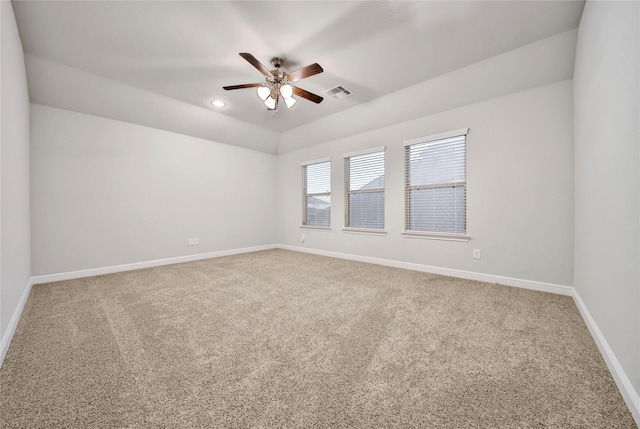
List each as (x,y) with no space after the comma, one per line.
(187,51)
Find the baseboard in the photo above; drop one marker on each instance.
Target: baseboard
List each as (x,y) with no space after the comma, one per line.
(627,391)
(13,323)
(15,318)
(469,275)
(146,264)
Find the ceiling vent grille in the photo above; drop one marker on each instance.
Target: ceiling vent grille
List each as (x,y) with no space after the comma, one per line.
(338,92)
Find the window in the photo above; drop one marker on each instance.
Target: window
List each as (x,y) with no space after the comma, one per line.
(316,194)
(364,191)
(435,186)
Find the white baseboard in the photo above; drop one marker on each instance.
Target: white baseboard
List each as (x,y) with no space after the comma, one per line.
(146,264)
(13,323)
(627,391)
(469,275)
(15,318)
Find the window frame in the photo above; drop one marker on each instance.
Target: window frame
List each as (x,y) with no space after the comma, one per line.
(304,166)
(433,235)
(347,191)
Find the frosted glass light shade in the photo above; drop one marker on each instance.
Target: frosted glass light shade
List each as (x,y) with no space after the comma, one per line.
(289,102)
(263,92)
(286,91)
(270,103)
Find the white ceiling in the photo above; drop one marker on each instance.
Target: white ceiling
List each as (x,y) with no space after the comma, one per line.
(187,51)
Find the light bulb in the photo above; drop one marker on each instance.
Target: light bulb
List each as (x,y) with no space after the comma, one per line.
(270,103)
(290,102)
(286,91)
(264,92)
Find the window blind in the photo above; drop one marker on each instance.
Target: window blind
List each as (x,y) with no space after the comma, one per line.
(316,194)
(364,190)
(435,185)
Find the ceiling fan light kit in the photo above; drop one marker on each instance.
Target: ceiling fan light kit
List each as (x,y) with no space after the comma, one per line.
(286,90)
(290,102)
(270,103)
(264,92)
(278,84)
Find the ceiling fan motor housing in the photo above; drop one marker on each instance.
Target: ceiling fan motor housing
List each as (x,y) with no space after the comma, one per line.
(278,74)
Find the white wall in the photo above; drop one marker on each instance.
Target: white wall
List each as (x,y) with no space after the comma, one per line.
(607,190)
(520,189)
(15,265)
(105,193)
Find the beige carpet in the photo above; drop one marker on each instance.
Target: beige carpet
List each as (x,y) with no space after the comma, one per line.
(286,339)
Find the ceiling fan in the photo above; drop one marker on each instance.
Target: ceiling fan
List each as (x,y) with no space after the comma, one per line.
(278,84)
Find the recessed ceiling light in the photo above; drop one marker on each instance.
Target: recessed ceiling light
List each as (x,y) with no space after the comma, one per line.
(217,103)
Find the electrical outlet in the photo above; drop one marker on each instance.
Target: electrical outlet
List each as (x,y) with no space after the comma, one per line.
(476,253)
(196,241)
(302,238)
(191,242)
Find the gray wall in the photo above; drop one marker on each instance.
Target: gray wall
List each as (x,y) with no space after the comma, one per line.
(15,265)
(105,193)
(607,142)
(520,189)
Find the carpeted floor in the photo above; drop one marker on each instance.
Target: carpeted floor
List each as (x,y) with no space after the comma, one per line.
(292,340)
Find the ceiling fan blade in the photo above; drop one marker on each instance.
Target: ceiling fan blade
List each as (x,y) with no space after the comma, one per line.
(246,85)
(257,64)
(306,94)
(307,71)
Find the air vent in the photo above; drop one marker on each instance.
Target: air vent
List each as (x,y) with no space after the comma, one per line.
(338,92)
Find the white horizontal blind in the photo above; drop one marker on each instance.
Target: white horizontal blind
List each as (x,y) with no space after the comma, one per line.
(435,185)
(364,190)
(316,194)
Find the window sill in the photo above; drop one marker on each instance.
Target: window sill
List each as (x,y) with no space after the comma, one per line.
(365,231)
(316,228)
(436,236)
